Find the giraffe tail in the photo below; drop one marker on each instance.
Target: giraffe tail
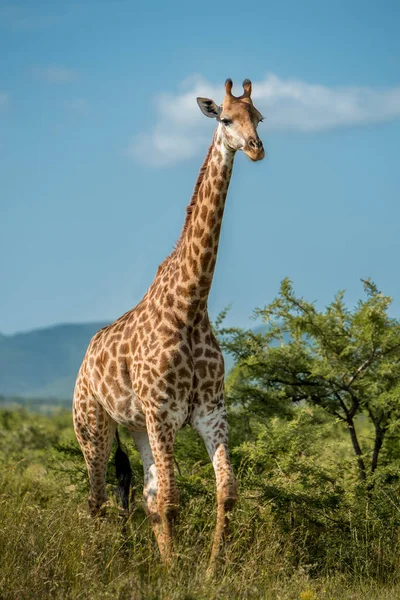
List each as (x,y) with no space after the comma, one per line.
(123,472)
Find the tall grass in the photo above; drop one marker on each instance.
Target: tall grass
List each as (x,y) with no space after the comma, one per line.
(293,535)
(51,548)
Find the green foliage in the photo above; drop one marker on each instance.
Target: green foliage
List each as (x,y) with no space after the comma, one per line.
(299,468)
(345,361)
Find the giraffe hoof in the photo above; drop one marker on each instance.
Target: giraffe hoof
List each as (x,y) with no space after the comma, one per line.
(210,573)
(107,510)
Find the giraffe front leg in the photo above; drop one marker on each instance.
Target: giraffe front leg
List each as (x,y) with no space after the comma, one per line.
(213,428)
(95,432)
(161,433)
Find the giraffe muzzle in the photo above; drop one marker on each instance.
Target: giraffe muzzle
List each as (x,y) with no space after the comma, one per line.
(254,149)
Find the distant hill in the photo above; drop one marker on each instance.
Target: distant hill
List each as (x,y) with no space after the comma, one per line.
(43,363)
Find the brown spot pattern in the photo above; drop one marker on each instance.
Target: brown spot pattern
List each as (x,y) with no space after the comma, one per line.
(159,366)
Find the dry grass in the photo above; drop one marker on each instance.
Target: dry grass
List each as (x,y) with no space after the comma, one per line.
(52,549)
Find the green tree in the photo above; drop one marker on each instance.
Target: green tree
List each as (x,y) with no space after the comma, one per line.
(345,361)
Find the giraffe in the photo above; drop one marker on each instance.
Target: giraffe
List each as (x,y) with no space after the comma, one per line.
(159,366)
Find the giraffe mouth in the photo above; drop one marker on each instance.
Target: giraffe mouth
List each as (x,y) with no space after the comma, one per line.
(255,155)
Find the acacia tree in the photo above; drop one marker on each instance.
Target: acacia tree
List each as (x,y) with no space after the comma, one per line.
(345,361)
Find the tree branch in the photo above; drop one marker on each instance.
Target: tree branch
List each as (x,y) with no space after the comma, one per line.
(311,321)
(379,435)
(339,416)
(355,404)
(362,473)
(342,404)
(360,369)
(369,361)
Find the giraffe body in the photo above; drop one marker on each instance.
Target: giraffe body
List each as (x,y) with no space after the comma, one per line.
(159,366)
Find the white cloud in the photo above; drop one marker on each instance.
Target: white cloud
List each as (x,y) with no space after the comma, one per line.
(287,105)
(4,100)
(55,74)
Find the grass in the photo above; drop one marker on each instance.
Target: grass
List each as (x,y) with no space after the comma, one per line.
(51,548)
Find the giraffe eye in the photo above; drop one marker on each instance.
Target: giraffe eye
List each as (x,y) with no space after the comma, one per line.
(226,121)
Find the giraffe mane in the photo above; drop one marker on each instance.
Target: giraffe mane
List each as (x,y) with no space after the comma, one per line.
(200,179)
(192,203)
(189,210)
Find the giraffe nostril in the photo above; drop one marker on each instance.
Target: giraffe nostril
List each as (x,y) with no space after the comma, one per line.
(255,144)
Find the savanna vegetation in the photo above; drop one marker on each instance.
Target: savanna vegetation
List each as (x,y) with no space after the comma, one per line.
(314,419)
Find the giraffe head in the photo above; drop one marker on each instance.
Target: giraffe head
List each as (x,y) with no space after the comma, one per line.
(237,119)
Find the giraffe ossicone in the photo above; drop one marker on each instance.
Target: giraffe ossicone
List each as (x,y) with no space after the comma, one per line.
(159,366)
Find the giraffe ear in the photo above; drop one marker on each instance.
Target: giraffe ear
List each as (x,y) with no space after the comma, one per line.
(209,108)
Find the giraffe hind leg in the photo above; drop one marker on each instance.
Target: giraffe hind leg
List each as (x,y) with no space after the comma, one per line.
(95,432)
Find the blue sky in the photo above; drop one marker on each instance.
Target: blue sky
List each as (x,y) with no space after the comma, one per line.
(101,141)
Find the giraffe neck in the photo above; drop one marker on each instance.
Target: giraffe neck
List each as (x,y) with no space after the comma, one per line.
(183,281)
(194,259)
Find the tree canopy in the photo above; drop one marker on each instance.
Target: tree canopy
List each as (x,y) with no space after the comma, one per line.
(346,361)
